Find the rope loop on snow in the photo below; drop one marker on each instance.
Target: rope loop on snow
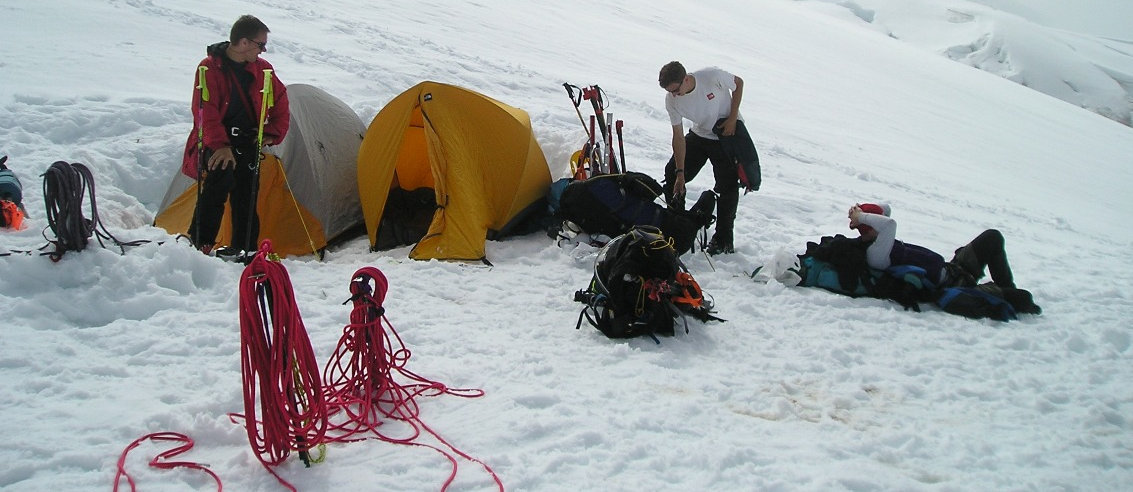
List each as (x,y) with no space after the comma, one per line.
(159,460)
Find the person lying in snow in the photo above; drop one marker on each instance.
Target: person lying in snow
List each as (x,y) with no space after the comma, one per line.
(875,226)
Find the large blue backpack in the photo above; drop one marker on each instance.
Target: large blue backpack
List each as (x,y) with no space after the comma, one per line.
(975,303)
(612,204)
(12,211)
(814,272)
(838,264)
(10,187)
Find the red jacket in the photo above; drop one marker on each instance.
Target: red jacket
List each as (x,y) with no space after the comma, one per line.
(210,114)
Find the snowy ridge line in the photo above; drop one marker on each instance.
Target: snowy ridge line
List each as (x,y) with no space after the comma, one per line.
(1088,71)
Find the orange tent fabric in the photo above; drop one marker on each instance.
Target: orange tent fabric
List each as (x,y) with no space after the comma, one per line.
(292,228)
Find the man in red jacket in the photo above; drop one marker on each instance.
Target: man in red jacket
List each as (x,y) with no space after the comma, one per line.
(222,151)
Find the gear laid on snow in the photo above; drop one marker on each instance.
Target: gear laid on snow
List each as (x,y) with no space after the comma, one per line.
(639,287)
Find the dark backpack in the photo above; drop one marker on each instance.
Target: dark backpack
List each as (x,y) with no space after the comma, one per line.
(10,187)
(12,212)
(612,204)
(908,285)
(975,303)
(639,287)
(838,264)
(814,272)
(988,300)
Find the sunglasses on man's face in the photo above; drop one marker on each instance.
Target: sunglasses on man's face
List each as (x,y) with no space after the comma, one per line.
(263,45)
(676,91)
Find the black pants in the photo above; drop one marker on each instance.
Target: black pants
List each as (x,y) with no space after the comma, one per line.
(986,250)
(232,184)
(698,151)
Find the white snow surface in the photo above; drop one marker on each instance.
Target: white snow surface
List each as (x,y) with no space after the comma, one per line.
(1079,52)
(799,390)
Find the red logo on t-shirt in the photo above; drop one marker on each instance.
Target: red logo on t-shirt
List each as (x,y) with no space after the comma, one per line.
(711,96)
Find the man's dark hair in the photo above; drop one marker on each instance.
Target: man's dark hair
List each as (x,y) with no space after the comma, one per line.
(247,26)
(672,73)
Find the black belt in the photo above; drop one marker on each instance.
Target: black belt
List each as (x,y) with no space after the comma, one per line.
(235,131)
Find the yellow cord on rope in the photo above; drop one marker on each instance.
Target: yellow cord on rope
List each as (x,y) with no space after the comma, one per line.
(297,380)
(298,211)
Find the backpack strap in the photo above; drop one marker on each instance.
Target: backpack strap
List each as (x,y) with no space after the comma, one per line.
(594,307)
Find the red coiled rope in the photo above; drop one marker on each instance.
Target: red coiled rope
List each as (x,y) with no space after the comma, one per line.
(279,361)
(278,365)
(360,375)
(157,461)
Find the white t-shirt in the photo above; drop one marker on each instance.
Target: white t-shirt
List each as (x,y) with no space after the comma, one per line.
(709,101)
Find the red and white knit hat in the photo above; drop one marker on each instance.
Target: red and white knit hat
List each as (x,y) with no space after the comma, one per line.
(874,208)
(871,208)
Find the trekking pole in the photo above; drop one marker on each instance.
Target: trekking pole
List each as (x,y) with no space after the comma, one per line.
(202,86)
(268,100)
(577,102)
(621,146)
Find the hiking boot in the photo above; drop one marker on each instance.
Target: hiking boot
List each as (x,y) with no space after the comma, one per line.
(717,247)
(703,208)
(228,253)
(1022,301)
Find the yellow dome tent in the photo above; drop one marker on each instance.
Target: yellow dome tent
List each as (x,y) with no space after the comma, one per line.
(477,155)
